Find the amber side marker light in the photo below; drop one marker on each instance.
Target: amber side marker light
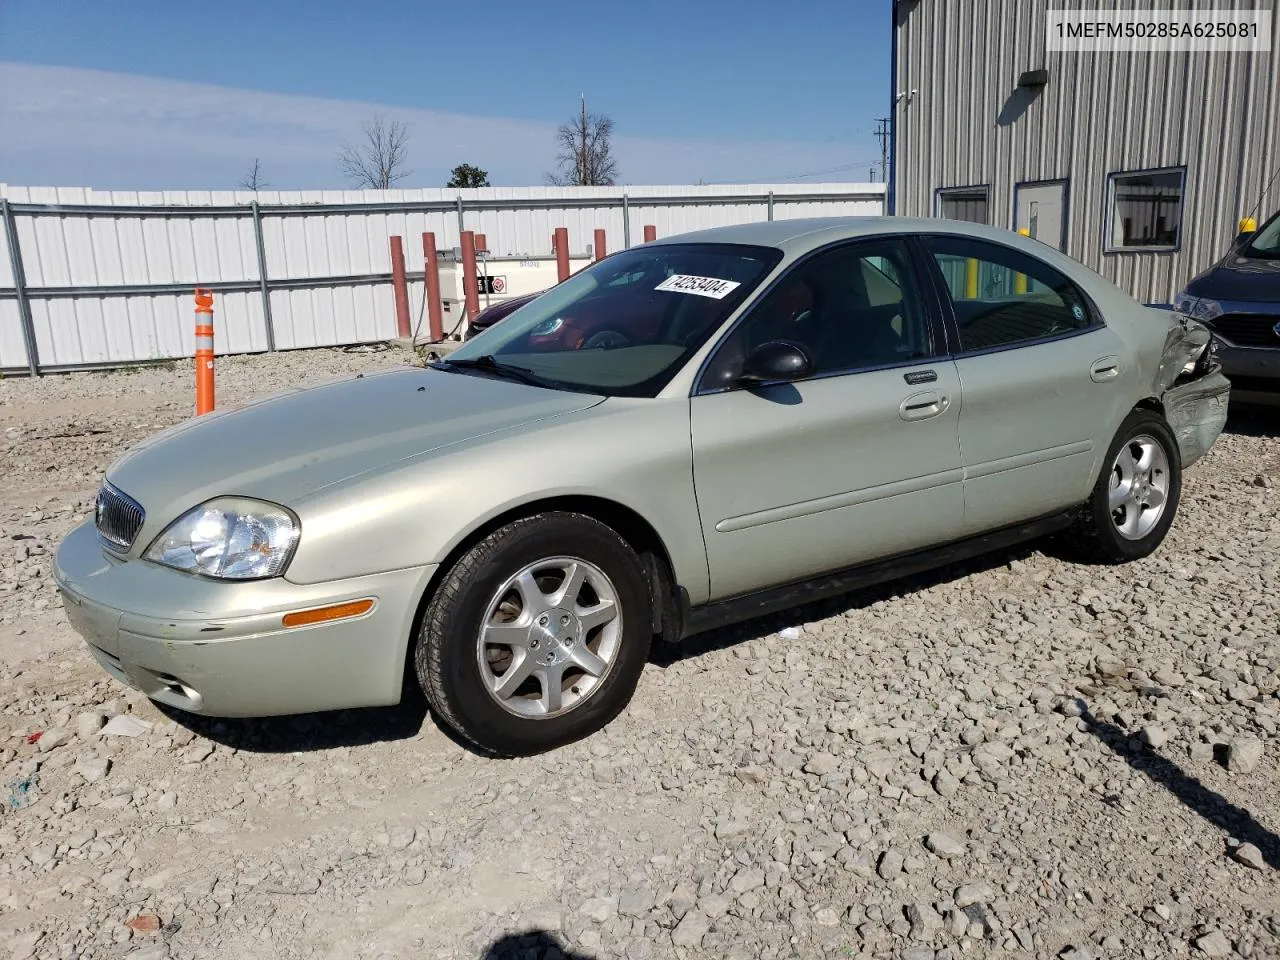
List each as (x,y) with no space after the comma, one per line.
(339,611)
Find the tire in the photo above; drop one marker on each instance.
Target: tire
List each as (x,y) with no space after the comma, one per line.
(496,617)
(1119,522)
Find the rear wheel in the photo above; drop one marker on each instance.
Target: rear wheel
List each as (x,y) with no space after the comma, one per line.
(537,635)
(1136,496)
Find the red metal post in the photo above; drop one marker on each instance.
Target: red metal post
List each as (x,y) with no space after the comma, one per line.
(650,233)
(560,243)
(470,284)
(204,351)
(431,266)
(400,287)
(599,251)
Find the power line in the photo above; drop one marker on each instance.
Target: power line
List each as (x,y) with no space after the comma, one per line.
(801,176)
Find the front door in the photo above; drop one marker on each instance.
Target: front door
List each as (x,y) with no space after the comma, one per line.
(857,462)
(1041,210)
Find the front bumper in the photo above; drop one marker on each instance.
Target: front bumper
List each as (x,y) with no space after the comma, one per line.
(1197,412)
(219,648)
(1254,372)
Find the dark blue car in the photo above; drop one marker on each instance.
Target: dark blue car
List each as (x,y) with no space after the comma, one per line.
(1239,299)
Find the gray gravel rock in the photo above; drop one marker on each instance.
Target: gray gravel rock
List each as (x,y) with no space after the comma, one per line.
(93,769)
(944,845)
(690,931)
(1250,856)
(1213,944)
(1244,755)
(977,892)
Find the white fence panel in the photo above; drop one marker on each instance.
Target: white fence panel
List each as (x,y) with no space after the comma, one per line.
(13,350)
(106,287)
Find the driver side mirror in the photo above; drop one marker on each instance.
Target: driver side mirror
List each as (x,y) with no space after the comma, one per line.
(776,360)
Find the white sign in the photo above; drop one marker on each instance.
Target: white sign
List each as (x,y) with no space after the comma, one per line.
(1212,29)
(711,287)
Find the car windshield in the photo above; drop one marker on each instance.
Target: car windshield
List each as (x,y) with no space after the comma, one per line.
(1266,242)
(623,326)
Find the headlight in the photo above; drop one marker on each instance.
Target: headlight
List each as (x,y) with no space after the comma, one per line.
(1206,309)
(229,538)
(1184,304)
(547,327)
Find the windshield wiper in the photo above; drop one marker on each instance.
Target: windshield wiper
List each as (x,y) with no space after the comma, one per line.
(489,364)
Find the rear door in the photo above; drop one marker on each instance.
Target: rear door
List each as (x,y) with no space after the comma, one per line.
(858,462)
(1045,383)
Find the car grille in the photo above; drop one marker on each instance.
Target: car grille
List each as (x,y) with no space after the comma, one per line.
(118,517)
(1248,329)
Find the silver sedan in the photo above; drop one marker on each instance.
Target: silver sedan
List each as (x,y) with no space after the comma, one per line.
(685,434)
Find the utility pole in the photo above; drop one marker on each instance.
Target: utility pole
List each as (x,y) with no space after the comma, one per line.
(882,134)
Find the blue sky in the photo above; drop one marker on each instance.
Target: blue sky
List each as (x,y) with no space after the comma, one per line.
(130,94)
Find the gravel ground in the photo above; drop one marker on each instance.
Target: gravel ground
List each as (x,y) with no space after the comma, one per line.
(1020,757)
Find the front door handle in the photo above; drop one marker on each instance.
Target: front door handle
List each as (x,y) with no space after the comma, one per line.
(922,406)
(1108,368)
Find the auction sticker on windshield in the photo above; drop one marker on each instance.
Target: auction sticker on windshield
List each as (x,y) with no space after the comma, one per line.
(711,287)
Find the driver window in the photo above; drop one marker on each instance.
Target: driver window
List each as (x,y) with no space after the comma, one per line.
(849,308)
(1002,297)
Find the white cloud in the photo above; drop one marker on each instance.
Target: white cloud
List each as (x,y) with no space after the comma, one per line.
(66,126)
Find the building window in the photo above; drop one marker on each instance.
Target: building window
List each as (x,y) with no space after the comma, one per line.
(1146,209)
(963,203)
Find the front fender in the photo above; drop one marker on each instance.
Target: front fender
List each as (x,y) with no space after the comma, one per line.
(636,452)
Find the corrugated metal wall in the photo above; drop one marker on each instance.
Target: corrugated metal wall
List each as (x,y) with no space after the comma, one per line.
(969,124)
(91,272)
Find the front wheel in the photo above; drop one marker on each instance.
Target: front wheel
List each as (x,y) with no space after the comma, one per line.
(537,636)
(1136,496)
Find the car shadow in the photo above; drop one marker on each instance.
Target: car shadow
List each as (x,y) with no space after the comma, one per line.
(1250,420)
(1194,795)
(664,655)
(537,944)
(313,731)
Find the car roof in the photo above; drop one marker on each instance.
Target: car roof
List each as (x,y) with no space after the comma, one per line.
(796,236)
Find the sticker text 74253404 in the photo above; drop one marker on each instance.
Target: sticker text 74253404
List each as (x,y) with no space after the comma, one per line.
(711,287)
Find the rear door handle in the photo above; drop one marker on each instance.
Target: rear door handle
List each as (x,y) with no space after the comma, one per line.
(1108,368)
(922,406)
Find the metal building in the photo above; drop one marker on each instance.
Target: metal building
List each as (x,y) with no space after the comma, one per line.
(1141,165)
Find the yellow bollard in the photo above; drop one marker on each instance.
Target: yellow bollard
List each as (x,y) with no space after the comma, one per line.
(971,279)
(1020,279)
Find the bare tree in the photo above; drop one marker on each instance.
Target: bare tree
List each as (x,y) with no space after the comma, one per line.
(253,179)
(586,152)
(379,162)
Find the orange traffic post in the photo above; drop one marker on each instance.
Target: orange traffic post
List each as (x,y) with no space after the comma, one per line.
(561,245)
(400,287)
(431,267)
(599,251)
(470,284)
(204,351)
(650,233)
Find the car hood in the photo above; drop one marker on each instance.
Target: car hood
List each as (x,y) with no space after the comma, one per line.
(292,444)
(1239,278)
